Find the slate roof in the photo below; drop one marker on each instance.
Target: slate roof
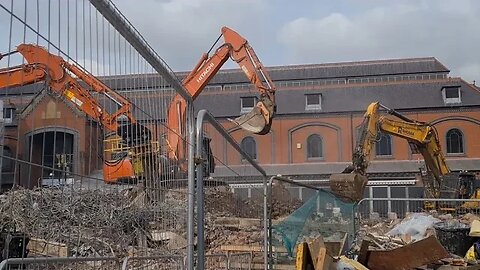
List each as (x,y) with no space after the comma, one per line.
(404,95)
(300,72)
(338,70)
(290,100)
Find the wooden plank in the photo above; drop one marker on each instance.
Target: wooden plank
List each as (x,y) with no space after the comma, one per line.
(413,255)
(47,248)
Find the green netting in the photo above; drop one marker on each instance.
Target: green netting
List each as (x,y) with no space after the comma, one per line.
(323,214)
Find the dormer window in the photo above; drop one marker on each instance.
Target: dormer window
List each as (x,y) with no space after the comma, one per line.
(451,94)
(8,114)
(313,102)
(247,104)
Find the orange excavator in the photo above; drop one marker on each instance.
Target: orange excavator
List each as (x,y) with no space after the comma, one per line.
(64,79)
(257,121)
(126,159)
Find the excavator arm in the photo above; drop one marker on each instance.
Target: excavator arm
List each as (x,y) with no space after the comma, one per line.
(235,47)
(62,78)
(75,85)
(421,137)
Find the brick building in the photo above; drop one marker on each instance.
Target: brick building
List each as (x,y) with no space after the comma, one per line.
(319,110)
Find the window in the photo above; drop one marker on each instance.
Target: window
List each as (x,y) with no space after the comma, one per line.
(247,104)
(454,141)
(383,147)
(8,114)
(7,164)
(314,146)
(313,102)
(249,145)
(451,94)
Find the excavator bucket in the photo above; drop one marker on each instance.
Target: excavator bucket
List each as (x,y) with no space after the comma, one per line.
(258,120)
(348,187)
(254,121)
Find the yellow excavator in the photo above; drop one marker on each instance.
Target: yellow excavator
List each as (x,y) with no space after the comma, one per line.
(422,138)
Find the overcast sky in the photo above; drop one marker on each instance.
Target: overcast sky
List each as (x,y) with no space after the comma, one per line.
(285,32)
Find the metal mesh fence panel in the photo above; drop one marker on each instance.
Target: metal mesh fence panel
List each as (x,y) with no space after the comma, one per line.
(233,224)
(90,165)
(240,261)
(63,263)
(374,208)
(155,262)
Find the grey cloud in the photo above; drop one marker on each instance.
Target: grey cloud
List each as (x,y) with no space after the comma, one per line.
(447,30)
(181,30)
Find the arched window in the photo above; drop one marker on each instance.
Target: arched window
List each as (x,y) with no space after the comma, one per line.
(383,147)
(314,146)
(454,141)
(249,145)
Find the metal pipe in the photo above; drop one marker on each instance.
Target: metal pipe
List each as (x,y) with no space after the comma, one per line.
(204,115)
(419,200)
(191,186)
(54,260)
(265,223)
(200,199)
(123,26)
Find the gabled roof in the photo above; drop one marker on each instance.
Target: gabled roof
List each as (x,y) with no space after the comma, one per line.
(42,95)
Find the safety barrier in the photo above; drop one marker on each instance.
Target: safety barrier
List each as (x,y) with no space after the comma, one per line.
(399,207)
(236,261)
(160,262)
(205,121)
(323,214)
(107,263)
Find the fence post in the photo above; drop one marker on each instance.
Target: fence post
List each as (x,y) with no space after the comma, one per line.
(202,116)
(191,186)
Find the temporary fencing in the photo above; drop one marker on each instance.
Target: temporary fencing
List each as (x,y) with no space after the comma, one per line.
(225,222)
(323,215)
(107,263)
(159,262)
(89,166)
(400,207)
(92,167)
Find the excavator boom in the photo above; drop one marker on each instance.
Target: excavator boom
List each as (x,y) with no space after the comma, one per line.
(235,47)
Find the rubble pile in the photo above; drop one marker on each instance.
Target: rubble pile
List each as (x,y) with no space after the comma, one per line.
(220,202)
(218,235)
(421,240)
(89,222)
(283,204)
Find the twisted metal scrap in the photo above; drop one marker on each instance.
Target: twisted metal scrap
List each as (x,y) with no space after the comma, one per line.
(90,222)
